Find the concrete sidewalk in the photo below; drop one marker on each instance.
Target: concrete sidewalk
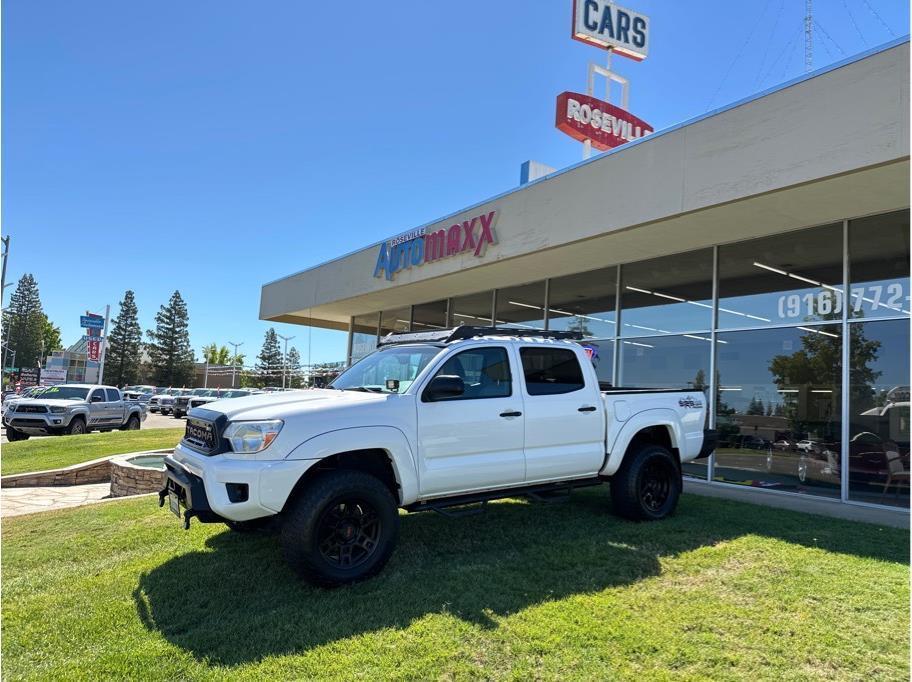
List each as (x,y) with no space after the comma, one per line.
(18,501)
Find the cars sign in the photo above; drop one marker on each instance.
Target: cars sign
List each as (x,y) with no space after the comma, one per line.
(603,24)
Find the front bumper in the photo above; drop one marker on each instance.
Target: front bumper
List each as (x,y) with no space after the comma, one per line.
(35,423)
(218,488)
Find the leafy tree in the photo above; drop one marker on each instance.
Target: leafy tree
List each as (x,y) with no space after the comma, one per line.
(293,368)
(50,337)
(122,363)
(217,355)
(269,362)
(24,323)
(170,354)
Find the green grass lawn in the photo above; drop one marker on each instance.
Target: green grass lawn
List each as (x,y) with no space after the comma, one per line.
(722,590)
(38,454)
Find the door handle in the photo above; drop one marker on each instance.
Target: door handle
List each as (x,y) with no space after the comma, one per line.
(587,408)
(510,413)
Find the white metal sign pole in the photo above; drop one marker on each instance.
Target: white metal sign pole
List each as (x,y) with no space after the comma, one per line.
(104,344)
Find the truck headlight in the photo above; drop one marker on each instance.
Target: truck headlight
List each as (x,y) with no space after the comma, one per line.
(251,437)
(58,409)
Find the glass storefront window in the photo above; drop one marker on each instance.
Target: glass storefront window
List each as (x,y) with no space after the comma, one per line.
(584,303)
(395,321)
(879,412)
(668,362)
(786,279)
(474,309)
(429,316)
(364,335)
(879,266)
(778,409)
(667,295)
(522,306)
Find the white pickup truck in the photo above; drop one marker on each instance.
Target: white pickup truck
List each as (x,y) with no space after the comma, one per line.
(430,421)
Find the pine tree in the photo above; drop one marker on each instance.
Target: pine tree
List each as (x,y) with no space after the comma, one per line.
(293,368)
(269,361)
(124,344)
(24,324)
(169,348)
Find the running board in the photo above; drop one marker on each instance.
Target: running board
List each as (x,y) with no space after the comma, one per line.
(538,492)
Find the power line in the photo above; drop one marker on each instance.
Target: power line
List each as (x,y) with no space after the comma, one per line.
(769,44)
(782,53)
(827,35)
(854,23)
(879,18)
(754,25)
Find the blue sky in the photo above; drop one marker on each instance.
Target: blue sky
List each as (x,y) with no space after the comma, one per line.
(211,147)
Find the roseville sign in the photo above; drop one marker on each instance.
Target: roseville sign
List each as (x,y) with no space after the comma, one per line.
(419,246)
(603,24)
(586,118)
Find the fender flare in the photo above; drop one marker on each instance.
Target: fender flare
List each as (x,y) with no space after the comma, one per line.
(636,423)
(387,438)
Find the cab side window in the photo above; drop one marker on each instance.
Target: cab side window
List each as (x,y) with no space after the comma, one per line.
(97,396)
(113,394)
(485,372)
(551,371)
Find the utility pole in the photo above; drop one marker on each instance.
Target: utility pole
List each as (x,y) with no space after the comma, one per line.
(234,360)
(808,36)
(104,343)
(206,374)
(5,241)
(286,339)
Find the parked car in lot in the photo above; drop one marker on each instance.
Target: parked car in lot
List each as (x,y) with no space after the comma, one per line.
(805,445)
(72,409)
(182,402)
(430,421)
(12,397)
(163,400)
(217,394)
(783,445)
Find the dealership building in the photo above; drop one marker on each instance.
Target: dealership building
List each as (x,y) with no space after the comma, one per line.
(759,253)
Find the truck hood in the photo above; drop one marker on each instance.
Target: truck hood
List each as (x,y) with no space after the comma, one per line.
(49,402)
(282,405)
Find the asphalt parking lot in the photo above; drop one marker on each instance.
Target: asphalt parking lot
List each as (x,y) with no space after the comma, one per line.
(152,421)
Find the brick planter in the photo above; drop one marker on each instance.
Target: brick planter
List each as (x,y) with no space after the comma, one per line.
(128,478)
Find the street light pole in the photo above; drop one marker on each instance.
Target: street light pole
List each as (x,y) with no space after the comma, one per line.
(286,339)
(234,360)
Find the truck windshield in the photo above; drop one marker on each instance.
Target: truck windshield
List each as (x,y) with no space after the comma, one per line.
(65,393)
(402,363)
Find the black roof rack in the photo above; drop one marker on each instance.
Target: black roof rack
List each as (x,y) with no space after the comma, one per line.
(471,332)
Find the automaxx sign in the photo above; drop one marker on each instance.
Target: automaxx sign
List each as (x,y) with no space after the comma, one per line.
(415,248)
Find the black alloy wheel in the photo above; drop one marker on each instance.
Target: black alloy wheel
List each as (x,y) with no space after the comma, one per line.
(648,484)
(656,482)
(348,533)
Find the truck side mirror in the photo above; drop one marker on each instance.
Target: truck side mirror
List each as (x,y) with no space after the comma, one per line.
(96,398)
(444,387)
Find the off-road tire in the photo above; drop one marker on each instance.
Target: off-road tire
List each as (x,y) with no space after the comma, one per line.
(76,427)
(12,435)
(132,423)
(648,484)
(309,515)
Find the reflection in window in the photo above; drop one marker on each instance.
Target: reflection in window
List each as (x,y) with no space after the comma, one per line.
(584,303)
(364,335)
(778,409)
(879,265)
(522,306)
(667,295)
(484,371)
(474,309)
(668,362)
(786,279)
(428,317)
(601,353)
(879,412)
(395,321)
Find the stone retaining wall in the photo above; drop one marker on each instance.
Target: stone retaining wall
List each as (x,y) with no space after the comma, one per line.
(129,479)
(94,471)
